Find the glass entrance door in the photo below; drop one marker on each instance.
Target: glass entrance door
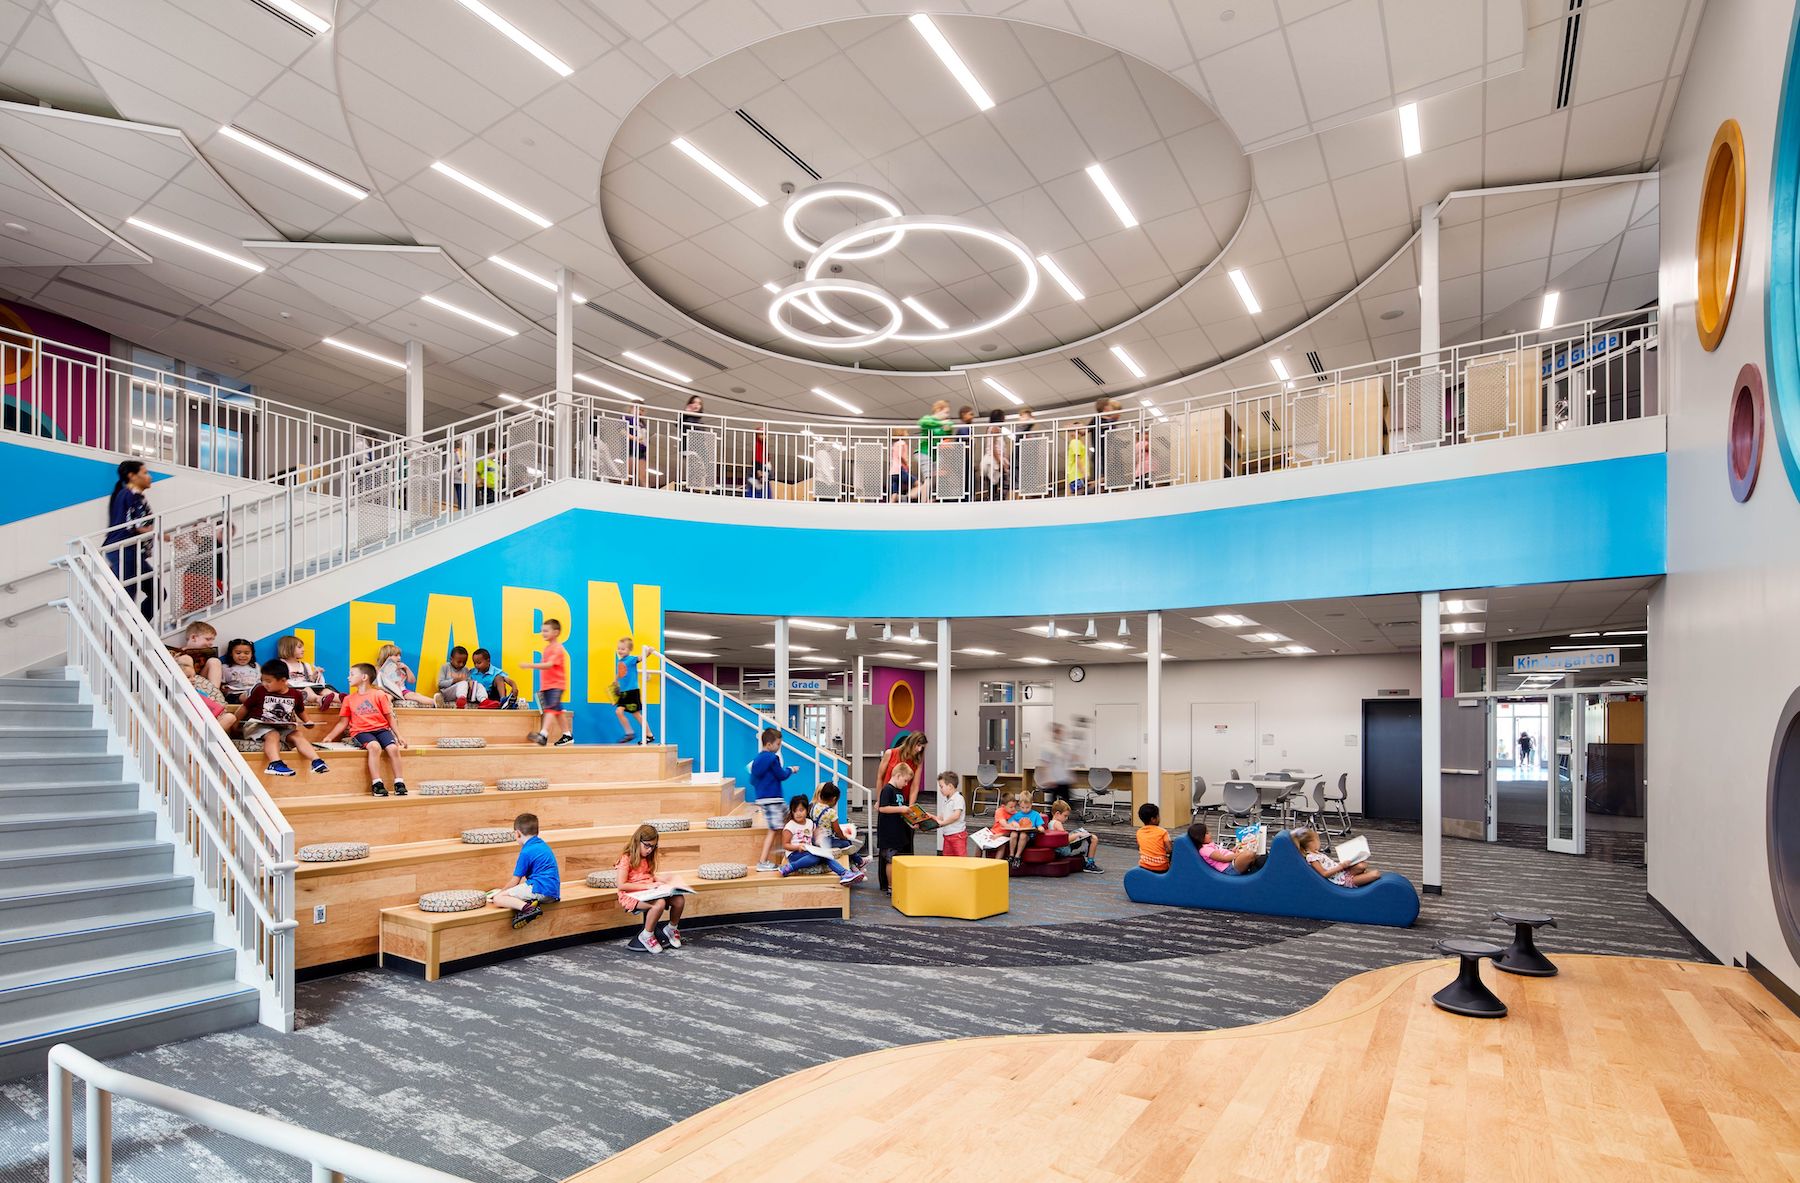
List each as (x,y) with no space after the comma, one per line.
(1567,772)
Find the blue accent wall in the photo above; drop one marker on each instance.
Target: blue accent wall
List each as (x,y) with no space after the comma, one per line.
(40,480)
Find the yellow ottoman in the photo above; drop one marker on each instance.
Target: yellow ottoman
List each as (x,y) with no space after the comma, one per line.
(967,888)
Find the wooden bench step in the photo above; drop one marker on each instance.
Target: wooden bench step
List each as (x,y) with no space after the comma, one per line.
(431,944)
(574,764)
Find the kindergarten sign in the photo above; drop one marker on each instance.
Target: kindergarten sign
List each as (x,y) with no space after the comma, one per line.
(1578,659)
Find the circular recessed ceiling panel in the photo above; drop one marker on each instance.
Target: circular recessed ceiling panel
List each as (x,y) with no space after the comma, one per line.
(797,140)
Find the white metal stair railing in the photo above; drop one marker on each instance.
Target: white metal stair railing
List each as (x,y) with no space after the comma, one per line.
(217,813)
(720,712)
(225,551)
(332,1159)
(94,400)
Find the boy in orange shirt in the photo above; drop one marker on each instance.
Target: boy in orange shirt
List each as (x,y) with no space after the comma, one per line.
(368,715)
(552,685)
(1153,840)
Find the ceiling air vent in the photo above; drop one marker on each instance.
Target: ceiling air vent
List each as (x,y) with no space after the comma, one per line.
(619,318)
(1096,379)
(1270,420)
(1312,359)
(786,151)
(1565,80)
(699,357)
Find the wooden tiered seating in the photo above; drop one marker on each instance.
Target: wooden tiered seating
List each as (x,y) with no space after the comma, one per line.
(597,796)
(422,727)
(435,943)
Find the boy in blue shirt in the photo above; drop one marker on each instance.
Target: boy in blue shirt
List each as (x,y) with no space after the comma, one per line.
(628,700)
(766,774)
(496,686)
(535,876)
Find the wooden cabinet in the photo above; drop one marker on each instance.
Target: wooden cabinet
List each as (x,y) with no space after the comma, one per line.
(1215,445)
(1358,418)
(1502,395)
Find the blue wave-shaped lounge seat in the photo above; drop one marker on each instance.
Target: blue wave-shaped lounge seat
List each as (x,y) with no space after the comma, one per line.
(1285,886)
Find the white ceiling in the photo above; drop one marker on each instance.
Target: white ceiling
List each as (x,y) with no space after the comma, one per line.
(1307,86)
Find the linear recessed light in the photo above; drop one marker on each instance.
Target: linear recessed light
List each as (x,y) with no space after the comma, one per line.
(817,626)
(978,652)
(718,170)
(953,62)
(1295,650)
(1130,363)
(542,281)
(492,195)
(1226,620)
(308,20)
(931,318)
(1061,277)
(294,162)
(1035,660)
(1109,645)
(517,36)
(1003,392)
(1410,144)
(1262,638)
(1459,627)
(683,635)
(184,240)
(623,393)
(1631,645)
(1242,285)
(688,653)
(1551,300)
(832,398)
(791,648)
(892,656)
(1280,368)
(479,319)
(802,304)
(1629,632)
(641,360)
(1104,183)
(368,353)
(1584,634)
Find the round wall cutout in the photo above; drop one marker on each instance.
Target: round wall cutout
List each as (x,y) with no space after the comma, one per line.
(1720,238)
(900,704)
(1784,823)
(1744,432)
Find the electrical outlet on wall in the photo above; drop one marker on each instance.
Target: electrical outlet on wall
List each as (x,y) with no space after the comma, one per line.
(318,913)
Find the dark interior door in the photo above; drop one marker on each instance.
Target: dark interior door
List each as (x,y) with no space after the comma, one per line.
(1390,758)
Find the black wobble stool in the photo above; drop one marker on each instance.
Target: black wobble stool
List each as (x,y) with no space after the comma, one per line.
(1468,994)
(1522,956)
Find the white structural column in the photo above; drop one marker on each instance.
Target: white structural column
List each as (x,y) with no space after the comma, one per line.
(563,460)
(1430,320)
(781,671)
(856,723)
(415,389)
(940,734)
(1431,742)
(1153,754)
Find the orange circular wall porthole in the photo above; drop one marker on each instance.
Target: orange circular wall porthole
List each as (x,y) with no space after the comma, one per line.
(1720,238)
(20,357)
(900,704)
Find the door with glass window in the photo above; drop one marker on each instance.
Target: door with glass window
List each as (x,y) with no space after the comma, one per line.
(1567,771)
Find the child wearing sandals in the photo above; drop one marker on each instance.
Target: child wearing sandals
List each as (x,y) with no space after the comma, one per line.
(797,835)
(637,872)
(1307,840)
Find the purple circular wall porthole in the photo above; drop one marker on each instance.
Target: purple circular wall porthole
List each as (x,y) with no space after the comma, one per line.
(1784,823)
(1744,432)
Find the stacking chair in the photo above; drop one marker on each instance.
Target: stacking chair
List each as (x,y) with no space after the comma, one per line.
(1236,775)
(987,780)
(1334,806)
(1301,807)
(1197,802)
(1100,796)
(1242,805)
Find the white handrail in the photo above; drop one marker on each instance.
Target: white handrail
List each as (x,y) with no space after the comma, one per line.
(223,822)
(332,1159)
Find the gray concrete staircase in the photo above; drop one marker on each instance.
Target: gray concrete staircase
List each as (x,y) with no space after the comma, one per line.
(101,944)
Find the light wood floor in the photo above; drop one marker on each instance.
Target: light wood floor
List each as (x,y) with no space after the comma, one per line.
(1619,1069)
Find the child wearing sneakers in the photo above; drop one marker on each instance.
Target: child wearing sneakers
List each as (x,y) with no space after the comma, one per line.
(553,683)
(953,827)
(1081,842)
(535,878)
(369,719)
(637,873)
(767,772)
(830,833)
(797,835)
(275,712)
(628,700)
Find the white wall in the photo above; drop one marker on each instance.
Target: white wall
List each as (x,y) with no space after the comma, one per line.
(1725,624)
(1309,705)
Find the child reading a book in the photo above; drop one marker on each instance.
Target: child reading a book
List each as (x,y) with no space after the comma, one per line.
(1081,842)
(798,838)
(893,835)
(535,878)
(828,831)
(1221,859)
(274,713)
(1153,841)
(1024,825)
(241,672)
(1343,874)
(994,841)
(643,892)
(952,826)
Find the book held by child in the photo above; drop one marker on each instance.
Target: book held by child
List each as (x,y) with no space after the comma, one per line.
(1254,839)
(1352,851)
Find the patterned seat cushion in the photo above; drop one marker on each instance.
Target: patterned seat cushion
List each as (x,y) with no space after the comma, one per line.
(723,870)
(729,823)
(488,835)
(603,879)
(815,869)
(462,741)
(523,784)
(667,825)
(450,788)
(462,900)
(333,852)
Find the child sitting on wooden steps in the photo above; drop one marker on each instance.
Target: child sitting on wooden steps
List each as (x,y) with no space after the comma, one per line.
(637,876)
(368,716)
(536,880)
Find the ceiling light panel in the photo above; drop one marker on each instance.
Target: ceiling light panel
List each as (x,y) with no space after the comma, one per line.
(195,244)
(817,626)
(368,353)
(693,153)
(517,36)
(1243,290)
(1226,620)
(688,653)
(1410,143)
(1061,277)
(618,390)
(493,195)
(1113,197)
(1280,368)
(684,635)
(952,60)
(474,317)
(649,364)
(1551,300)
(994,385)
(257,143)
(836,401)
(1126,360)
(301,16)
(542,281)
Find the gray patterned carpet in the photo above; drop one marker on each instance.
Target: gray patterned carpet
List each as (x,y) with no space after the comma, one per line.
(534,1069)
